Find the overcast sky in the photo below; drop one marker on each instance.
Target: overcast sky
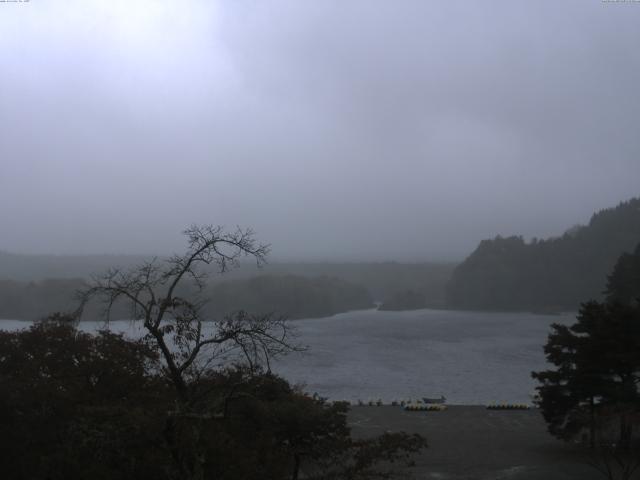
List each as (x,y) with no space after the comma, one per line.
(363,130)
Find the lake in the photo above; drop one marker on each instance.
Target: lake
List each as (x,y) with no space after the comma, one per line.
(469,357)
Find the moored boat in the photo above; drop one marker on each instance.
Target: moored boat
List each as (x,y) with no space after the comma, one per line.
(440,400)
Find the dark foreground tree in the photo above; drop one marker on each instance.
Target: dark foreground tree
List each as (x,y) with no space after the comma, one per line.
(76,406)
(165,296)
(623,285)
(597,372)
(593,391)
(274,431)
(204,420)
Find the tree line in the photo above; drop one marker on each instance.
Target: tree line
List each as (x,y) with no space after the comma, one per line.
(549,275)
(290,295)
(381,279)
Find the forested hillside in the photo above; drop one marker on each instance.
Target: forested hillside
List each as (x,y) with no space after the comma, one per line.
(553,274)
(290,295)
(383,280)
(287,295)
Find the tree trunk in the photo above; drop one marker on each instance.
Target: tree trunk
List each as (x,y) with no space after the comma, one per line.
(296,466)
(625,432)
(592,424)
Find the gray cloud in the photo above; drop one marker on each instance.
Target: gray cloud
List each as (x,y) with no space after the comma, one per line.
(363,129)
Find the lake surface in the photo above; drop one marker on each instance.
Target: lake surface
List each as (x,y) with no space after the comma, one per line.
(469,357)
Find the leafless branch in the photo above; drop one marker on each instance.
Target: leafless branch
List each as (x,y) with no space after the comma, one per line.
(175,324)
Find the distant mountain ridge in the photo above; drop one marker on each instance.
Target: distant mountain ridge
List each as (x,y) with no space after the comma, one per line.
(382,279)
(288,295)
(32,286)
(547,275)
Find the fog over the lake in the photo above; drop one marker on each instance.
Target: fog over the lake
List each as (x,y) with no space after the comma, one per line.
(364,130)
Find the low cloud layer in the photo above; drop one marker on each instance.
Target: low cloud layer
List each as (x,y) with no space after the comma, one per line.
(337,130)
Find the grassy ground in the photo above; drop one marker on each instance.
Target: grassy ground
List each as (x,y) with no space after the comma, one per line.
(471,442)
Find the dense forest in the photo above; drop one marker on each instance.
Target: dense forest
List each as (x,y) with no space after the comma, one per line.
(546,275)
(405,300)
(289,295)
(380,278)
(32,286)
(286,295)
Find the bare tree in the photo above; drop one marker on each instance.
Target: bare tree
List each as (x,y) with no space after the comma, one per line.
(172,315)
(166,296)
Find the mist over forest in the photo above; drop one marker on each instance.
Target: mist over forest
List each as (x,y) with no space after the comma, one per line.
(504,273)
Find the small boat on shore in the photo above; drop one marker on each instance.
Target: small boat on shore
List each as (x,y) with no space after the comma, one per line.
(440,400)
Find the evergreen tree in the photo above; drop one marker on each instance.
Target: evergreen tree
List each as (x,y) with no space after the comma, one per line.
(623,284)
(597,360)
